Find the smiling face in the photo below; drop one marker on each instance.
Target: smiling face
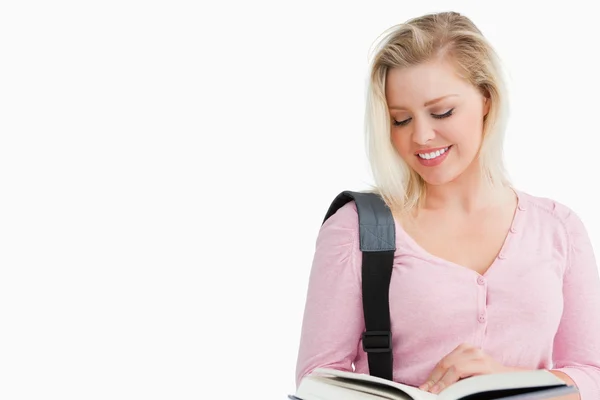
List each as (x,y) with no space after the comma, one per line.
(436,120)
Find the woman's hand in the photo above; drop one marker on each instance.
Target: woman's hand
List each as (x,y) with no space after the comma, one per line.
(462,362)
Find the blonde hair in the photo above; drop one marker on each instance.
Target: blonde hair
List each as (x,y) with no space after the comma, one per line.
(416,41)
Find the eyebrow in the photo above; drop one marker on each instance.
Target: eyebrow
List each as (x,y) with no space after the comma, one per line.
(427,103)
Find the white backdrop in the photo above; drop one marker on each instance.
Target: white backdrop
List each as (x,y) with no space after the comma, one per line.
(165,167)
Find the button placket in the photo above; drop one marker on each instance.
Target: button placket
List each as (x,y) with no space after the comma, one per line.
(481,308)
(482,299)
(513,229)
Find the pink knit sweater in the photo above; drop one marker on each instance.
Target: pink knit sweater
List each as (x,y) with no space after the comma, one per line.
(537,306)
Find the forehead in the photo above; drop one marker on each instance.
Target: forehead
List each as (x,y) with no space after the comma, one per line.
(415,85)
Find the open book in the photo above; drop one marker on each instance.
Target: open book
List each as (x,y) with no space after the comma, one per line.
(330,384)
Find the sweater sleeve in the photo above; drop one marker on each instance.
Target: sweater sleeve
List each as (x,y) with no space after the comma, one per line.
(333,315)
(577,342)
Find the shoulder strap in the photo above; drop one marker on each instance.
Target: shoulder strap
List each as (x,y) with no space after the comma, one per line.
(377,237)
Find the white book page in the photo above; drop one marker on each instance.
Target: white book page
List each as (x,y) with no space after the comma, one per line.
(341,388)
(319,388)
(415,393)
(506,380)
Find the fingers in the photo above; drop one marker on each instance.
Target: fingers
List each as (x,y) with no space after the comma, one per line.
(440,369)
(437,373)
(427,385)
(452,375)
(454,366)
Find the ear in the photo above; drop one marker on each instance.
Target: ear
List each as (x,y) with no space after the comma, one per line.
(486,105)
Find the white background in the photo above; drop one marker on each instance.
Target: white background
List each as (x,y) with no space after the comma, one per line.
(165,167)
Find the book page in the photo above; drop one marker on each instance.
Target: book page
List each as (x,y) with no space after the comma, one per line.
(546,394)
(315,387)
(413,392)
(362,389)
(506,380)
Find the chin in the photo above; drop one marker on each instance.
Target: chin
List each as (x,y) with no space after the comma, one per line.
(438,178)
(448,171)
(436,181)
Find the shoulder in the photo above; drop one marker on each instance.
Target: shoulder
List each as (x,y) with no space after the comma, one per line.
(547,211)
(341,227)
(346,217)
(337,244)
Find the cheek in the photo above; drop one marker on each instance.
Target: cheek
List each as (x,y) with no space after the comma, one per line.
(464,131)
(401,143)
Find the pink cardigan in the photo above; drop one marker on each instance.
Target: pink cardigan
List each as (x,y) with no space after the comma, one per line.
(537,306)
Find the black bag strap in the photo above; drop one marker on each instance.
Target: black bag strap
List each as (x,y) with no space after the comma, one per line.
(377,237)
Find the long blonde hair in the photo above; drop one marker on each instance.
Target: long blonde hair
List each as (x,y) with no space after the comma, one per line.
(418,40)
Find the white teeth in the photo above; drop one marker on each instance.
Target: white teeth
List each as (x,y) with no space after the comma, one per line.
(433,154)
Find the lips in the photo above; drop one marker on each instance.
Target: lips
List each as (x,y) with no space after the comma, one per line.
(432,153)
(433,157)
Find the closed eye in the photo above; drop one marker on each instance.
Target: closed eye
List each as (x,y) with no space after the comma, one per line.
(444,115)
(437,116)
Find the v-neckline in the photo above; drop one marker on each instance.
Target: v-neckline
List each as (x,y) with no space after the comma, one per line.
(406,237)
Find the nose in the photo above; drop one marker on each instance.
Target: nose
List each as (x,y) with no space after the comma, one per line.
(423,132)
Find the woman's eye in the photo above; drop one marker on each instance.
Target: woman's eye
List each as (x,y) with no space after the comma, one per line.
(401,123)
(444,115)
(437,116)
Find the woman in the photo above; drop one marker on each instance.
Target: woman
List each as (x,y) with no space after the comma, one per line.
(486,278)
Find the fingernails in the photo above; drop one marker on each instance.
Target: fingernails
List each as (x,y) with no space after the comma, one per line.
(435,389)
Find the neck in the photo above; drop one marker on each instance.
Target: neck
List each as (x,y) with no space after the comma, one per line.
(467,194)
